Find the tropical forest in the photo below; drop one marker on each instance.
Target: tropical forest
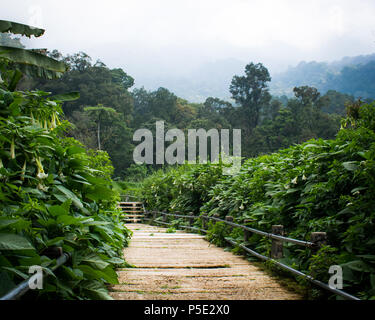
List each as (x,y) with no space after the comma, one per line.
(68,123)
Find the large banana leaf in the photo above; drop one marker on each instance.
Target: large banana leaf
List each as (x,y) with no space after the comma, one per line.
(29,62)
(19,28)
(33,63)
(33,58)
(39,72)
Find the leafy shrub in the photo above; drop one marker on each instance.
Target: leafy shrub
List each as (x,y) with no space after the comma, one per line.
(52,194)
(99,159)
(171,230)
(217,232)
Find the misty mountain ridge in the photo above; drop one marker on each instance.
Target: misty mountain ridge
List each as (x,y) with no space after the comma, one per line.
(351,75)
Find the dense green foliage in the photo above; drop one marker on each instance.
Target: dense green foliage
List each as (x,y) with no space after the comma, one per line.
(98,86)
(320,185)
(53,194)
(267,123)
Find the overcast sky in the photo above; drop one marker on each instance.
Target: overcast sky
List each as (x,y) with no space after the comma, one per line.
(172,36)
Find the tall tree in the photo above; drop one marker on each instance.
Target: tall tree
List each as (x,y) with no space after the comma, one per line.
(307,95)
(101,115)
(251,91)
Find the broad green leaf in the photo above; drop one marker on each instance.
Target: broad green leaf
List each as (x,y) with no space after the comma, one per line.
(69,195)
(68,220)
(38,72)
(17,224)
(107,274)
(31,58)
(97,290)
(58,210)
(4,222)
(350,165)
(95,261)
(17,272)
(357,265)
(55,241)
(72,274)
(100,193)
(75,150)
(19,28)
(9,241)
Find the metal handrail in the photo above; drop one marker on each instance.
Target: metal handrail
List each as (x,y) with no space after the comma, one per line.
(265,234)
(23,287)
(262,233)
(262,257)
(296,272)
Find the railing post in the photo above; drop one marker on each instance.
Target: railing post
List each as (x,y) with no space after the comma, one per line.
(230,219)
(204,222)
(191,220)
(216,215)
(164,218)
(319,239)
(154,215)
(246,233)
(277,245)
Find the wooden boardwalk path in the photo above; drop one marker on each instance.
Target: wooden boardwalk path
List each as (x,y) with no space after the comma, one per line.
(185,266)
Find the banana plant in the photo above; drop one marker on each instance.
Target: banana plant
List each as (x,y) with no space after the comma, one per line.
(29,62)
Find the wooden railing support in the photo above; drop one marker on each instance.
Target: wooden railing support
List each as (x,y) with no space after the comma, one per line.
(191,220)
(229,219)
(246,233)
(319,239)
(204,222)
(277,246)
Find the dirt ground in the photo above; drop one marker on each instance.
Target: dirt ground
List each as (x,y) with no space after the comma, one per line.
(170,266)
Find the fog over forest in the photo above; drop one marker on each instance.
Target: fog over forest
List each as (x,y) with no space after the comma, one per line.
(195,47)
